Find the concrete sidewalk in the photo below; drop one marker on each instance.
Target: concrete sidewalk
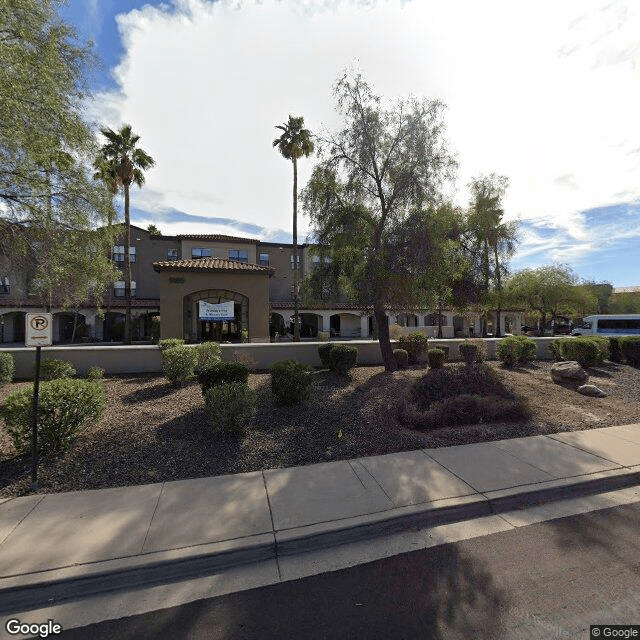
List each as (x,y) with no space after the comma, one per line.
(70,545)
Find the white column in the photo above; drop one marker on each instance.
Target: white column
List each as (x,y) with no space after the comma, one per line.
(326,321)
(364,326)
(502,324)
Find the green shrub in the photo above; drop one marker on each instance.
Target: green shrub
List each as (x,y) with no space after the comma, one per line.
(209,353)
(471,409)
(155,328)
(603,346)
(54,369)
(556,348)
(437,384)
(291,381)
(631,350)
(415,344)
(222,373)
(615,349)
(343,358)
(585,351)
(482,347)
(402,358)
(460,395)
(179,363)
(230,406)
(469,352)
(514,349)
(324,351)
(436,358)
(94,373)
(169,343)
(66,406)
(7,368)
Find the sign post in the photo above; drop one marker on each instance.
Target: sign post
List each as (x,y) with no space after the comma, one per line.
(38,334)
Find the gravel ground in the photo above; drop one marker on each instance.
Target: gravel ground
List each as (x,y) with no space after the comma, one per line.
(152,432)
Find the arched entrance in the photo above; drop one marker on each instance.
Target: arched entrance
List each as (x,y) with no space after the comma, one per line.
(12,326)
(200,331)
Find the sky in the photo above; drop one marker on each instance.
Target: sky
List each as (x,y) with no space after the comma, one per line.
(546,93)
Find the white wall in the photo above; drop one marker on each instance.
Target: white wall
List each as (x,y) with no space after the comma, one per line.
(146,358)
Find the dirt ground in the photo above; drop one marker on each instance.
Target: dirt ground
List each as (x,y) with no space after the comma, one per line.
(152,432)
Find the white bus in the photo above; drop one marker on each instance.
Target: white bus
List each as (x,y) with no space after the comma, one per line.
(609,325)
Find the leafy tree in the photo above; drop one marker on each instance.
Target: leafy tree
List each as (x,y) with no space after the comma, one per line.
(294,143)
(48,200)
(120,164)
(153,230)
(551,290)
(495,240)
(602,291)
(625,302)
(374,198)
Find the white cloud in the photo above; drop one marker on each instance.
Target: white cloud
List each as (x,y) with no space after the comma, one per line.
(536,91)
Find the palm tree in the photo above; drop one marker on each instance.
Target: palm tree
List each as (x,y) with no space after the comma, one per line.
(120,164)
(492,235)
(294,143)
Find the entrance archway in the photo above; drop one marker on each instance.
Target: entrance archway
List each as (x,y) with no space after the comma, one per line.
(198,331)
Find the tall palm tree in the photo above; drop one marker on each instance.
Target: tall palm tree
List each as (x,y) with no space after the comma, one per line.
(494,236)
(120,164)
(294,143)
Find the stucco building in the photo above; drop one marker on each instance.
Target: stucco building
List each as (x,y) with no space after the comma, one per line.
(171,275)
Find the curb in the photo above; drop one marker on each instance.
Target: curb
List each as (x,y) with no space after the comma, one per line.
(34,591)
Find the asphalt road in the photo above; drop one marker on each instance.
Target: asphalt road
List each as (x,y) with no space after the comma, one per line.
(548,580)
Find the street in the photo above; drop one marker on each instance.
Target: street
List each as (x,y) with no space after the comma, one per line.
(547,580)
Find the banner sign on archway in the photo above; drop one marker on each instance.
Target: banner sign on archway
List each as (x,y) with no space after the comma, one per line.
(216,312)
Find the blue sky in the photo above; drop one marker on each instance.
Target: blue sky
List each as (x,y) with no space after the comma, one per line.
(543,92)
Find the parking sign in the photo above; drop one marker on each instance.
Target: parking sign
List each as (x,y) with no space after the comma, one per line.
(39,330)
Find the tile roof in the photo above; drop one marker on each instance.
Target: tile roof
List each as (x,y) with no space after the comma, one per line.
(209,264)
(215,236)
(319,305)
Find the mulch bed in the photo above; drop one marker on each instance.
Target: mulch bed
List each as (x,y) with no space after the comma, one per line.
(152,432)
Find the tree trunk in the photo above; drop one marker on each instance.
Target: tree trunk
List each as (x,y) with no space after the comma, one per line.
(439,320)
(388,358)
(296,326)
(75,326)
(127,267)
(498,333)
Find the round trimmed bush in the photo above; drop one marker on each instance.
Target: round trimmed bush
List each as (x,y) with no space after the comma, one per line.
(324,351)
(615,349)
(219,373)
(66,406)
(178,364)
(209,353)
(583,350)
(631,350)
(94,373)
(230,406)
(514,349)
(55,369)
(469,352)
(7,368)
(291,381)
(402,358)
(436,358)
(415,344)
(343,358)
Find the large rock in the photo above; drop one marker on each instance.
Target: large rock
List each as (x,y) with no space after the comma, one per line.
(591,390)
(568,372)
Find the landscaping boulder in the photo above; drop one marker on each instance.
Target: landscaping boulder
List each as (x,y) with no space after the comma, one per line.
(591,390)
(569,371)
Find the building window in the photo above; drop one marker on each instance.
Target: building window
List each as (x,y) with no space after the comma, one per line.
(291,257)
(238,255)
(317,260)
(264,259)
(199,252)
(172,254)
(5,287)
(118,253)
(118,288)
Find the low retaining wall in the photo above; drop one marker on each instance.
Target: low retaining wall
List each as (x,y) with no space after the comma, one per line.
(146,358)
